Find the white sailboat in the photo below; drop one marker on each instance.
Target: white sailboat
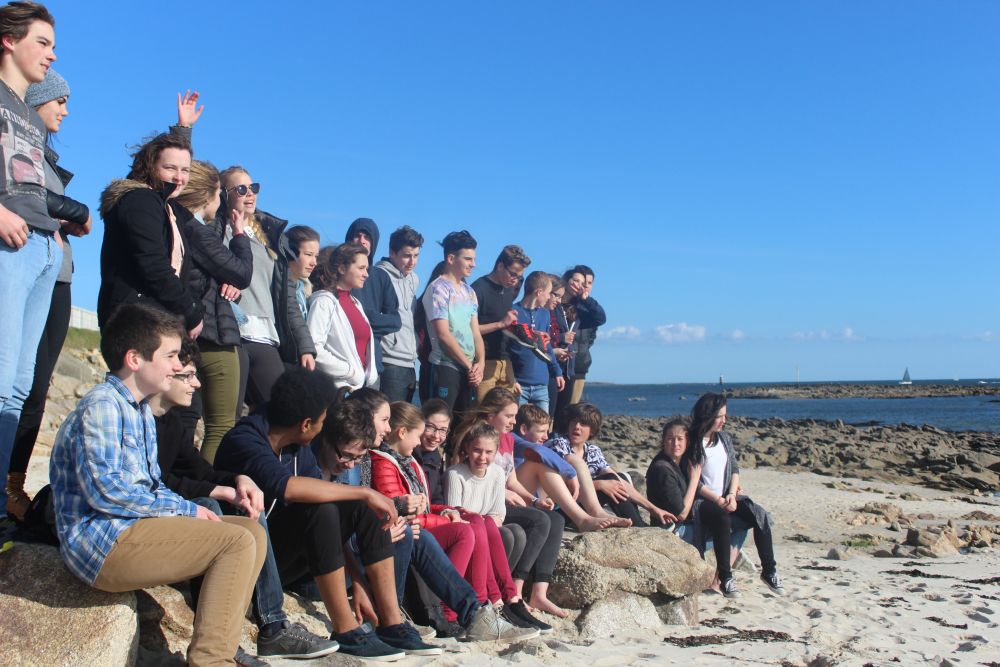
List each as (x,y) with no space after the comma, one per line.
(906,377)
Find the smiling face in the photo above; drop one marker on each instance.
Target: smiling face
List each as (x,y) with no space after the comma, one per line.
(155,375)
(503,421)
(461,263)
(555,298)
(575,285)
(247,203)
(408,439)
(675,443)
(173,165)
(355,275)
(53,112)
(435,431)
(35,53)
(182,387)
(381,419)
(302,266)
(480,453)
(405,260)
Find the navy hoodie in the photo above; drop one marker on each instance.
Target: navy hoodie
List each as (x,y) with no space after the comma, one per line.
(245,450)
(377,297)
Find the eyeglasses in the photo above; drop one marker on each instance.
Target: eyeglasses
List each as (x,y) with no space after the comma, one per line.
(185,377)
(242,189)
(430,429)
(513,275)
(348,459)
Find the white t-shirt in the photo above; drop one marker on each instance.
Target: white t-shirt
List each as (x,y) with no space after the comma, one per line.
(713,471)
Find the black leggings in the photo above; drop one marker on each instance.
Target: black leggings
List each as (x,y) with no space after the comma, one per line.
(53,337)
(260,367)
(308,539)
(718,524)
(626,508)
(452,387)
(543,537)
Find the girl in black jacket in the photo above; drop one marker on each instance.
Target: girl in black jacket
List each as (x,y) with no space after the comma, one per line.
(214,273)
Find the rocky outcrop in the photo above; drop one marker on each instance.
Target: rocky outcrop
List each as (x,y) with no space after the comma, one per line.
(49,617)
(603,571)
(834,390)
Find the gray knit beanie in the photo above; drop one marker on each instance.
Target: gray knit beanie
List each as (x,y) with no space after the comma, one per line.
(51,88)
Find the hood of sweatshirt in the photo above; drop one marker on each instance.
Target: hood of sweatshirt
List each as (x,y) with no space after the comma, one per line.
(368,226)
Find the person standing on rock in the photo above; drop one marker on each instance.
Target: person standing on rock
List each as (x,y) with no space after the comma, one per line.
(496,292)
(120,529)
(398,379)
(711,456)
(30,250)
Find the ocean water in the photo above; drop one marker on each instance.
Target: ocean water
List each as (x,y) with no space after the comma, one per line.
(959,413)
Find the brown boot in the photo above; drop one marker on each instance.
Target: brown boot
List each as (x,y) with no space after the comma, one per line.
(18,501)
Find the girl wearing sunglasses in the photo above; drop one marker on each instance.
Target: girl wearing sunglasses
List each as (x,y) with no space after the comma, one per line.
(272,330)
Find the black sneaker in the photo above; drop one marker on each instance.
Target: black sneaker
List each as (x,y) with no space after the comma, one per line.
(518,610)
(728,588)
(294,641)
(451,629)
(404,636)
(773,582)
(244,659)
(362,642)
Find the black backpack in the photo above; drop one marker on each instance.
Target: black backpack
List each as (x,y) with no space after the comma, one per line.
(39,523)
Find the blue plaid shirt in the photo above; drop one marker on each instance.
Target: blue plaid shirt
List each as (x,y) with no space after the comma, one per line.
(105,476)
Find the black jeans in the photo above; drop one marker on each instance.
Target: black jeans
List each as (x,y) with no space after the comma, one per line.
(543,532)
(308,539)
(625,509)
(398,382)
(718,524)
(49,347)
(451,386)
(260,367)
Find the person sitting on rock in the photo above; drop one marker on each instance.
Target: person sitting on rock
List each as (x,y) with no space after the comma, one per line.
(614,490)
(711,456)
(120,529)
(309,519)
(670,484)
(192,477)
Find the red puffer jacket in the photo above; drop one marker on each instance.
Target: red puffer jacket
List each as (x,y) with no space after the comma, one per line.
(388,479)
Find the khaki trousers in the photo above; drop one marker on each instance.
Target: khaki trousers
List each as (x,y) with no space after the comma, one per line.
(498,373)
(220,393)
(158,551)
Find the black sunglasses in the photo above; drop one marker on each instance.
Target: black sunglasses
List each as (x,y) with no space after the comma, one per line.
(242,190)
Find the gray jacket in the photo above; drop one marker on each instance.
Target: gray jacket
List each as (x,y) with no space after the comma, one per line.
(400,348)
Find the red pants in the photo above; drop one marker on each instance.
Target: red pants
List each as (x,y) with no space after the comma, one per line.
(458,541)
(489,571)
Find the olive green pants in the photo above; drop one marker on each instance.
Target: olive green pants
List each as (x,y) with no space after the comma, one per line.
(220,392)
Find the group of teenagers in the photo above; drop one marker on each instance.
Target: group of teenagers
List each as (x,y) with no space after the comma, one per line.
(335,484)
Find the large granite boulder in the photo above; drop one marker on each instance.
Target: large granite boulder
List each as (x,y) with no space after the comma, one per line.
(49,617)
(647,562)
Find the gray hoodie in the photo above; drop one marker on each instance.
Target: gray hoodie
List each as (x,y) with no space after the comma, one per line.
(400,348)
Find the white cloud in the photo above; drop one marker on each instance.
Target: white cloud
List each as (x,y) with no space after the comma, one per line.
(681,333)
(621,333)
(847,335)
(986,337)
(737,335)
(810,335)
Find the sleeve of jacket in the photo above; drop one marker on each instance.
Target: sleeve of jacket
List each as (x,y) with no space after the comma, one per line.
(194,476)
(386,479)
(144,217)
(66,208)
(381,305)
(590,313)
(233,265)
(300,331)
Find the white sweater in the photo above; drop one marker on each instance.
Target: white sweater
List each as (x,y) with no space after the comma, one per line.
(336,352)
(480,495)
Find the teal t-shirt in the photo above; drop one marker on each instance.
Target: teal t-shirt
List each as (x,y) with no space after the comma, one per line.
(458,305)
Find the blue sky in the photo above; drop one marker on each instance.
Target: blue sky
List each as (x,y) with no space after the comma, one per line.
(757,185)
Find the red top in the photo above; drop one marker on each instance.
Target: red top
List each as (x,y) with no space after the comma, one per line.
(388,480)
(359,325)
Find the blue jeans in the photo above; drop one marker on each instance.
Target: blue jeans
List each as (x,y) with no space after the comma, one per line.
(398,382)
(536,394)
(432,564)
(29,275)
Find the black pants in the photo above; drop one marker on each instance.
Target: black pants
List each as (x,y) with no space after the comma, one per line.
(625,509)
(514,539)
(543,537)
(718,524)
(452,387)
(308,539)
(49,347)
(260,367)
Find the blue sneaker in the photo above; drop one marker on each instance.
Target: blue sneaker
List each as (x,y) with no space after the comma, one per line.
(362,642)
(404,636)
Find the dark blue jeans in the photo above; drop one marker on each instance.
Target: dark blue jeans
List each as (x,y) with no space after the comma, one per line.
(398,383)
(268,598)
